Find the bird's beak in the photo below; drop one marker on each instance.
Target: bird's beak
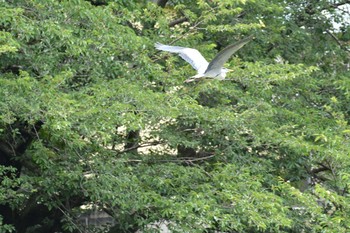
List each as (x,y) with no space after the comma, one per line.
(229,70)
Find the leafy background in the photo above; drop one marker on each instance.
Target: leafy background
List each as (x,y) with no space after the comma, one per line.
(93,117)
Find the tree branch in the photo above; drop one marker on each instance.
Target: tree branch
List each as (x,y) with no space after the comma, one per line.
(320,169)
(335,5)
(177,21)
(138,146)
(180,160)
(337,40)
(311,11)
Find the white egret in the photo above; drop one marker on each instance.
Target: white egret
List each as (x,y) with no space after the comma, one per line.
(215,68)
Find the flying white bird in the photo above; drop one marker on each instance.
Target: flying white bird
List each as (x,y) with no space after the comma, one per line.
(215,68)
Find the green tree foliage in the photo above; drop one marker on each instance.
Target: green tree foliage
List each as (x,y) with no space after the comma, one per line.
(91,115)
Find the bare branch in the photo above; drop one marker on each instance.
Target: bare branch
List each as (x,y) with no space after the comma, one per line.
(337,40)
(191,31)
(335,5)
(69,218)
(138,146)
(311,11)
(179,160)
(177,21)
(320,169)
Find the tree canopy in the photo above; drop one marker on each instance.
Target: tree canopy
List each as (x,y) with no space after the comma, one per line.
(92,116)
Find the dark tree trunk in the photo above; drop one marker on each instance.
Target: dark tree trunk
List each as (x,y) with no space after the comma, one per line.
(162,3)
(11,150)
(186,152)
(132,140)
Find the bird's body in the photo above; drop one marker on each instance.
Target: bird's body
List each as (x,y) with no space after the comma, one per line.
(214,69)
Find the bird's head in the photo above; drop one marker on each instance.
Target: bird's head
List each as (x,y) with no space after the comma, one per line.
(224,71)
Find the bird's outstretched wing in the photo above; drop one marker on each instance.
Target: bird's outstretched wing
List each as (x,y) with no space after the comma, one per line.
(192,56)
(220,59)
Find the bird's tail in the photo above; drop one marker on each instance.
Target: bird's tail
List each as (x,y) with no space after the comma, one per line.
(197,77)
(191,80)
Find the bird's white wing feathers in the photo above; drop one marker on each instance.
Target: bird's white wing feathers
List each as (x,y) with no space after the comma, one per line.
(192,56)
